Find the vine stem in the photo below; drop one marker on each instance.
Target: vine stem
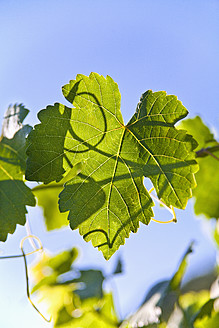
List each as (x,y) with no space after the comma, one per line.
(208,151)
(24,255)
(26,272)
(29,234)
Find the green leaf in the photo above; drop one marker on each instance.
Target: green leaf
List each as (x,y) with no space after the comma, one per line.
(118,267)
(47,198)
(211,322)
(107,200)
(99,315)
(216,232)
(200,132)
(205,311)
(50,267)
(207,191)
(14,194)
(178,276)
(191,303)
(79,302)
(92,281)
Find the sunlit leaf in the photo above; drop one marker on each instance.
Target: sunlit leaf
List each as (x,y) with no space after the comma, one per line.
(76,302)
(107,199)
(208,322)
(200,132)
(99,315)
(205,311)
(47,198)
(207,191)
(47,270)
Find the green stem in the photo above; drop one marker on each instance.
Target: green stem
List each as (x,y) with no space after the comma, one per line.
(43,187)
(208,151)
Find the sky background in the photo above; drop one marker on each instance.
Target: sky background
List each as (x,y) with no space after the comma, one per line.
(158,45)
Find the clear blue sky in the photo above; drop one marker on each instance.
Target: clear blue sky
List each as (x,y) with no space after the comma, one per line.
(159,45)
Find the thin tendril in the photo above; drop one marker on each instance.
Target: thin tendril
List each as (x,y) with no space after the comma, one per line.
(29,233)
(170,209)
(21,255)
(211,154)
(40,248)
(26,271)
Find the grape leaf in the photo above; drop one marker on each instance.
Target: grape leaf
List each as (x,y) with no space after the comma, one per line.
(207,191)
(47,198)
(14,194)
(200,132)
(107,199)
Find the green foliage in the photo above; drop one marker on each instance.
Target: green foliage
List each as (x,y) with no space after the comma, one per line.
(14,194)
(198,310)
(107,199)
(200,132)
(119,267)
(76,302)
(82,302)
(207,191)
(47,198)
(94,165)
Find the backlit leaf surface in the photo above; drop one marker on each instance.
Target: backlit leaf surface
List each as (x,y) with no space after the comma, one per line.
(207,191)
(107,199)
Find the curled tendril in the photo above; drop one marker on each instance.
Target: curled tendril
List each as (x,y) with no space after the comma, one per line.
(40,248)
(170,209)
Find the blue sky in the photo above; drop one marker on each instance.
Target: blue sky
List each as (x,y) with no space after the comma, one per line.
(158,45)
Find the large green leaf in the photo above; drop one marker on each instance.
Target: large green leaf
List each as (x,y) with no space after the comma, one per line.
(14,194)
(107,199)
(207,191)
